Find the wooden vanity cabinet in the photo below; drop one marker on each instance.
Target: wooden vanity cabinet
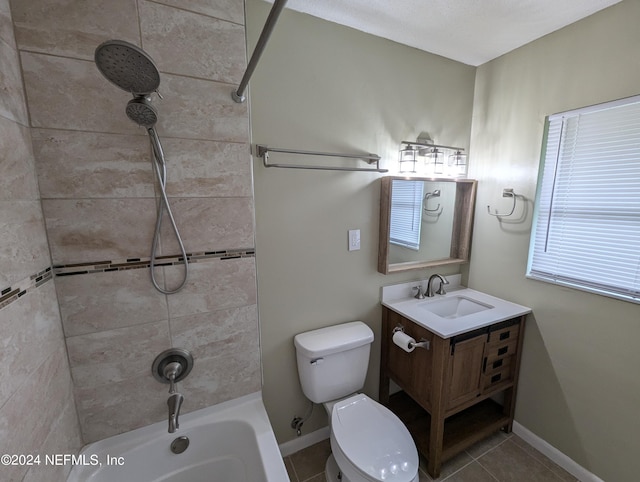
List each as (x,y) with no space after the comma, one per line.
(406,368)
(449,389)
(464,376)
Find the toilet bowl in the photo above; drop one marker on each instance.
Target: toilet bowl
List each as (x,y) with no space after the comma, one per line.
(368,442)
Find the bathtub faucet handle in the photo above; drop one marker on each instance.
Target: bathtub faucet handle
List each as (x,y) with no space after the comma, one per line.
(171,372)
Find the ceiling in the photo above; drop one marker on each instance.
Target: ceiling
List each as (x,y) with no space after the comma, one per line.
(469,31)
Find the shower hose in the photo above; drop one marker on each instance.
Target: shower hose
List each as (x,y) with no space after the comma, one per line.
(161,174)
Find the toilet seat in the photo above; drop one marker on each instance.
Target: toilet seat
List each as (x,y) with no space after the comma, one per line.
(373,441)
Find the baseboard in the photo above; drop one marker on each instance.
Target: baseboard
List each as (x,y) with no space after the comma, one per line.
(304,441)
(575,469)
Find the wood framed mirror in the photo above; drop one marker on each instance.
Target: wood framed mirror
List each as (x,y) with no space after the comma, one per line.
(424,222)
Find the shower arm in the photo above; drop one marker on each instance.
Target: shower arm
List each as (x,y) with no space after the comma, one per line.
(238,95)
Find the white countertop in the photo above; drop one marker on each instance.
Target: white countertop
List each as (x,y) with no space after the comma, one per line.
(413,309)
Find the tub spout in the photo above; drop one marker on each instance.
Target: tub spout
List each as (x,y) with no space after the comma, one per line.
(174,403)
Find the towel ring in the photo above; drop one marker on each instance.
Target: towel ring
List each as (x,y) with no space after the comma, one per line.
(432,212)
(507,192)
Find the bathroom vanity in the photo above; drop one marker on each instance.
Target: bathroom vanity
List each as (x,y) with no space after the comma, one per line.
(459,387)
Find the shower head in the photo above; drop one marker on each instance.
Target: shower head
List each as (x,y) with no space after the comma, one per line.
(128,67)
(140,111)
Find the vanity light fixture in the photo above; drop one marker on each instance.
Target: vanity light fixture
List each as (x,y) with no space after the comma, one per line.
(435,161)
(408,159)
(434,155)
(458,164)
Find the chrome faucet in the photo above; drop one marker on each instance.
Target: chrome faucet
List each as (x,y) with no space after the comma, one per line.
(172,366)
(174,403)
(440,291)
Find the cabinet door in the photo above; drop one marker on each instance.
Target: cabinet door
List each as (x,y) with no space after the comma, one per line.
(421,367)
(411,371)
(465,370)
(400,363)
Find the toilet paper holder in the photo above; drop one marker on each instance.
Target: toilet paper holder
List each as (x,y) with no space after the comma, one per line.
(426,344)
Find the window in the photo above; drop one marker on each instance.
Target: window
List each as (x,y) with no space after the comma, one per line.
(406,213)
(586,228)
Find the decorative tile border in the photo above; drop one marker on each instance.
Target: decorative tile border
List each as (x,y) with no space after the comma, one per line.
(136,263)
(12,293)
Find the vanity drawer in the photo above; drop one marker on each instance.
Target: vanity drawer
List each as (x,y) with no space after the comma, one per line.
(497,377)
(496,365)
(504,334)
(497,351)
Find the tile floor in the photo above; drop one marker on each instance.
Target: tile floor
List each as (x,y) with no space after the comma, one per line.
(500,458)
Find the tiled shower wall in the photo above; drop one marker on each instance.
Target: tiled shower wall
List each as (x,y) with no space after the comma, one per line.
(37,411)
(98,197)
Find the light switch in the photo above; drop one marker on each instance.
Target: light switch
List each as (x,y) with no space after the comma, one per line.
(354,239)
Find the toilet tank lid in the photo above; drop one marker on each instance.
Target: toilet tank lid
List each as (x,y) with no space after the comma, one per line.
(333,339)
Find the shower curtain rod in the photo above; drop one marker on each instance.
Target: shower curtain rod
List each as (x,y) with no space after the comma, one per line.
(278,5)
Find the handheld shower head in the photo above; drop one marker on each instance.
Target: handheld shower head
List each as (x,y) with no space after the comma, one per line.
(140,111)
(127,66)
(131,69)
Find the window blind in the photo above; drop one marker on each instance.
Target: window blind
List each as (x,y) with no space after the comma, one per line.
(586,231)
(406,213)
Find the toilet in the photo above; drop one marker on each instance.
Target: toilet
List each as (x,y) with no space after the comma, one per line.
(368,442)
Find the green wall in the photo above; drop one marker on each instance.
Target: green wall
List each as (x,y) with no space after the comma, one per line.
(320,86)
(579,386)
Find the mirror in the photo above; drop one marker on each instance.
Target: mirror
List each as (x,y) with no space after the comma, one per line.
(424,222)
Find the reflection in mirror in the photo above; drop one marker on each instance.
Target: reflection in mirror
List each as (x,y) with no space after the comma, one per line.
(405,225)
(423,216)
(424,222)
(435,212)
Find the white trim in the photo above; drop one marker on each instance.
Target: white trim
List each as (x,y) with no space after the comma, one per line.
(568,464)
(590,108)
(304,441)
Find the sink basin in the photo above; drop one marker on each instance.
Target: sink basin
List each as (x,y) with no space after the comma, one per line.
(454,307)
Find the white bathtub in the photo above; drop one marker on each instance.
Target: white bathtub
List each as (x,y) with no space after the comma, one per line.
(229,442)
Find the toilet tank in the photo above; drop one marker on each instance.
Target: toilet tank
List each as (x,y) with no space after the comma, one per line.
(333,361)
